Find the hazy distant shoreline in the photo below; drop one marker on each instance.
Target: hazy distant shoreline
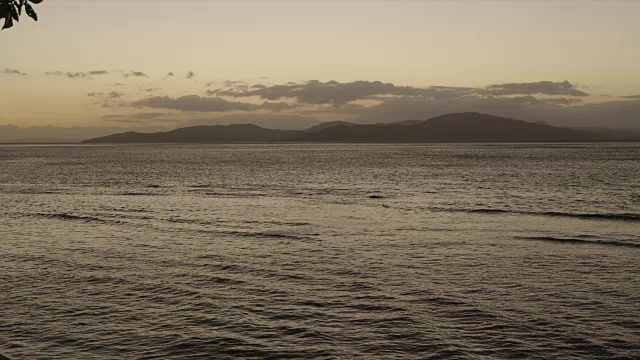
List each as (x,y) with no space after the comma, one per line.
(328,142)
(455,127)
(450,128)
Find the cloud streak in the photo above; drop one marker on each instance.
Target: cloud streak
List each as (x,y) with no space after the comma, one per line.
(111,95)
(134,74)
(541,87)
(139,118)
(10,71)
(332,92)
(70,75)
(315,92)
(202,104)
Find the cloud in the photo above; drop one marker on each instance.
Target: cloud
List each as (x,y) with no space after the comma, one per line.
(190,75)
(540,87)
(229,83)
(347,109)
(77,75)
(117,84)
(277,106)
(202,104)
(332,92)
(170,74)
(139,118)
(194,103)
(95,94)
(316,92)
(139,121)
(227,86)
(70,75)
(557,103)
(134,74)
(115,95)
(151,89)
(10,71)
(74,75)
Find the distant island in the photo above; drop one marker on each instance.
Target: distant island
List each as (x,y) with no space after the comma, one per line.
(457,127)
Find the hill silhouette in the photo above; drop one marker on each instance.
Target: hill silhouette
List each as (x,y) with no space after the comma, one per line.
(244,133)
(451,127)
(457,127)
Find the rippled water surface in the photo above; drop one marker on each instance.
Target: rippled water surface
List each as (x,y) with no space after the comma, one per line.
(320,251)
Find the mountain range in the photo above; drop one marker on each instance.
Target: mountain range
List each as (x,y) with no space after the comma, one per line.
(457,127)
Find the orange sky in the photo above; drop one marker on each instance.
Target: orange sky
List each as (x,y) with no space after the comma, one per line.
(592,44)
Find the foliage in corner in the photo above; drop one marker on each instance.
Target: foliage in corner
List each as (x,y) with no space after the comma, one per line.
(11,10)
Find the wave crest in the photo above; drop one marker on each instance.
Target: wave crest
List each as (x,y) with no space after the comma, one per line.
(582,241)
(591,216)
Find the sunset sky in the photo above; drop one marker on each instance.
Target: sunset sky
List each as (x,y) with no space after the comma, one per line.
(292,64)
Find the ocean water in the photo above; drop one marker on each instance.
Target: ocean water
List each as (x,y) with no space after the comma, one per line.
(461,251)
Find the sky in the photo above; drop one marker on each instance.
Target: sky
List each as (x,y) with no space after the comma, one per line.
(153,64)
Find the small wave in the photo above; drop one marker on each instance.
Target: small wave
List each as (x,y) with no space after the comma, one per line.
(219,280)
(578,240)
(257,234)
(233,194)
(266,235)
(220,221)
(133,193)
(375,196)
(128,210)
(70,217)
(285,223)
(593,216)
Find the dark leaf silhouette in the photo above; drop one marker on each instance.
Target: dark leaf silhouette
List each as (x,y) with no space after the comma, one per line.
(8,22)
(11,10)
(32,14)
(14,12)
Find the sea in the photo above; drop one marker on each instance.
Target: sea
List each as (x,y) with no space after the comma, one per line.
(320,251)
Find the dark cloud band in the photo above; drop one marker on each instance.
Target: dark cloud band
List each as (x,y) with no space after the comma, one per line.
(202,104)
(315,92)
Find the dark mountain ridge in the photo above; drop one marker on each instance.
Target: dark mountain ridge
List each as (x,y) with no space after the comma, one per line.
(457,127)
(243,133)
